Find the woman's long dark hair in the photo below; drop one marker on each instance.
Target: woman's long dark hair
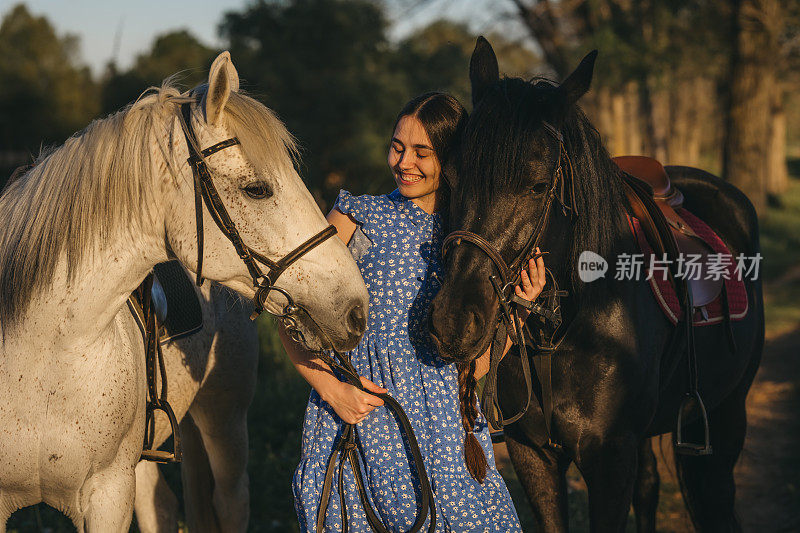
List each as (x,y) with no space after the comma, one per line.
(444,119)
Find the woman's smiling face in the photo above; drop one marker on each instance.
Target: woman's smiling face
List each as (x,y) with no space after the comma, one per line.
(413,161)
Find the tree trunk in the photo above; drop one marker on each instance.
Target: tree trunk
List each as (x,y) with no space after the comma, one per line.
(661,124)
(753,73)
(634,125)
(618,144)
(543,26)
(599,108)
(777,174)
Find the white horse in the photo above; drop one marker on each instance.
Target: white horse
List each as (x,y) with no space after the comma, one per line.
(82,229)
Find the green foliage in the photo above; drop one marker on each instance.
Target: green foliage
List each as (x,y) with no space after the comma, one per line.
(45,95)
(324,66)
(436,57)
(173,52)
(780,234)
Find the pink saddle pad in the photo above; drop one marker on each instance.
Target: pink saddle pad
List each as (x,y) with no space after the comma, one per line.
(664,292)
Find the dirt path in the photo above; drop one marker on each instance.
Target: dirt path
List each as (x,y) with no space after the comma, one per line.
(767,475)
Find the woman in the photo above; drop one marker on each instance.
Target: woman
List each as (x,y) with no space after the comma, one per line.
(396,239)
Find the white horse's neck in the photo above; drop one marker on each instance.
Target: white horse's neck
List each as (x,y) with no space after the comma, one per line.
(83,309)
(79,310)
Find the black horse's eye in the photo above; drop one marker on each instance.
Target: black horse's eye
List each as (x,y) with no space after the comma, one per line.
(258,190)
(539,187)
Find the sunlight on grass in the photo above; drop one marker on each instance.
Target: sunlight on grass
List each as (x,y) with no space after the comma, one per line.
(780,234)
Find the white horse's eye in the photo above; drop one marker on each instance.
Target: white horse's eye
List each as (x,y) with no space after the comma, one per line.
(258,190)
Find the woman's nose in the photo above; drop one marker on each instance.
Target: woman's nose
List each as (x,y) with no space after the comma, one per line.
(406,161)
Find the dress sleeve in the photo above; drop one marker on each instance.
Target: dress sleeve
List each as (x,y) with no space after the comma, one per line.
(357,207)
(360,208)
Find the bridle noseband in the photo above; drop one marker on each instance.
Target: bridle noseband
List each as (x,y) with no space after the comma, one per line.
(509,276)
(206,192)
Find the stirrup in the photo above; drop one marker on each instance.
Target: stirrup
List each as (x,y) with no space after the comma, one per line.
(690,448)
(162,456)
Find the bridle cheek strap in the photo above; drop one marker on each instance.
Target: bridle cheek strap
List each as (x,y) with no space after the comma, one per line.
(508,302)
(206,193)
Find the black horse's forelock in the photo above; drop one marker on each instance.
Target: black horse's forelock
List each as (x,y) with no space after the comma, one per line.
(497,141)
(496,152)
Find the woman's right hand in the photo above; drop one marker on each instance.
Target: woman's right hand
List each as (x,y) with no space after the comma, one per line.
(353,404)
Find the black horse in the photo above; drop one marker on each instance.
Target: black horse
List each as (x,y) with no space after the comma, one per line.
(619,372)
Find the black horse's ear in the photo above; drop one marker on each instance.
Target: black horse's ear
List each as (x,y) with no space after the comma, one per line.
(483,69)
(577,83)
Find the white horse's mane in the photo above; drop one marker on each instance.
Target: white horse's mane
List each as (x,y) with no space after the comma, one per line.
(99,184)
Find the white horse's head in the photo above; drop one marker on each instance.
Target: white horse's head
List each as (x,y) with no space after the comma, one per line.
(271,208)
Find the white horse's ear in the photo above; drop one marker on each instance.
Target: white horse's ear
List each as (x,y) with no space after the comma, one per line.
(222,79)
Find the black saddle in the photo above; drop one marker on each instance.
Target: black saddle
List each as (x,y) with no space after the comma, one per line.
(176,302)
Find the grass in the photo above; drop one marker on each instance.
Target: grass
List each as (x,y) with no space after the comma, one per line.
(780,234)
(780,244)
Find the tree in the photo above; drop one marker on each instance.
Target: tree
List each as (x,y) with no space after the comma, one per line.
(177,52)
(436,56)
(325,67)
(750,107)
(46,94)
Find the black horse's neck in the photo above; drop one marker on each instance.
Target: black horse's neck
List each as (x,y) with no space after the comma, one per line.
(600,224)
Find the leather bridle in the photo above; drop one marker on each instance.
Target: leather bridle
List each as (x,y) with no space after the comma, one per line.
(508,301)
(206,192)
(347,444)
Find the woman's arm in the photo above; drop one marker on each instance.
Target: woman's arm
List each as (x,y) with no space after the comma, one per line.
(349,402)
(345,225)
(530,288)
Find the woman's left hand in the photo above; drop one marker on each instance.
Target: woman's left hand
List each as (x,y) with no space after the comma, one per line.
(533,280)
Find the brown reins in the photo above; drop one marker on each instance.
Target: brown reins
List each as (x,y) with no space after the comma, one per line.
(205,193)
(347,445)
(508,302)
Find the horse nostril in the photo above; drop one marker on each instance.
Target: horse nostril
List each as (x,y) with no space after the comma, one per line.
(473,326)
(356,320)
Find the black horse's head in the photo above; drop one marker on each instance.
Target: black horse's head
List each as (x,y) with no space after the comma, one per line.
(526,144)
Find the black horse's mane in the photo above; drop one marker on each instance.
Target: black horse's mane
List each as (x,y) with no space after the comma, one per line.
(506,133)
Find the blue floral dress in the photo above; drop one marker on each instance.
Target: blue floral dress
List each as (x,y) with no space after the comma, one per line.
(397,248)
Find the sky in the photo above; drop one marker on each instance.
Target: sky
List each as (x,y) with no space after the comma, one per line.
(122,29)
